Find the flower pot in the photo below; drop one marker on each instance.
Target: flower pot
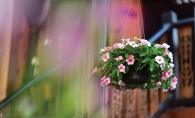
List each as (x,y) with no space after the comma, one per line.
(135,77)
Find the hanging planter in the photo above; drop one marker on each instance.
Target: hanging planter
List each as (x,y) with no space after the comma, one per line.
(137,64)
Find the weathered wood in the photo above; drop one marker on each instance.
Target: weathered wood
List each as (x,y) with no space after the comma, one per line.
(180,113)
(130,104)
(185,55)
(142,104)
(153,101)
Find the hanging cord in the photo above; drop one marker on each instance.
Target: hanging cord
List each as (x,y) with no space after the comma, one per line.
(138,22)
(127,18)
(140,13)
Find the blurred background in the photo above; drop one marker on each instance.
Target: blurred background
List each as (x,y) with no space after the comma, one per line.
(48,49)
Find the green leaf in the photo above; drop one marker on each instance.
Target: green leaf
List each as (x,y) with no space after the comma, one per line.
(152,65)
(143,65)
(143,54)
(118,73)
(154,75)
(145,60)
(127,56)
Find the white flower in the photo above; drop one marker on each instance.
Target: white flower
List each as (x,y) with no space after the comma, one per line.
(171,65)
(102,50)
(121,46)
(135,38)
(133,44)
(170,55)
(145,42)
(162,66)
(128,40)
(123,40)
(159,59)
(121,83)
(158,45)
(164,45)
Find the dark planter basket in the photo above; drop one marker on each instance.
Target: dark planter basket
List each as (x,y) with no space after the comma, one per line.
(135,77)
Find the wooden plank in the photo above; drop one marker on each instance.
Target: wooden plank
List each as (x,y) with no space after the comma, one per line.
(153,101)
(180,113)
(185,55)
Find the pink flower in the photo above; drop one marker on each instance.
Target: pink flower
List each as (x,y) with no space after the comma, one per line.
(105,57)
(103,78)
(158,83)
(104,81)
(108,48)
(131,57)
(119,58)
(174,81)
(121,68)
(169,73)
(115,45)
(164,77)
(130,60)
(101,83)
(159,59)
(95,70)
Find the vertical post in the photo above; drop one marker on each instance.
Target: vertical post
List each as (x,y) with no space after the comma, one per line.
(194,48)
(6,16)
(173,39)
(103,43)
(96,39)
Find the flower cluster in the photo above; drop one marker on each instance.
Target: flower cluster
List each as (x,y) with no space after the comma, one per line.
(139,54)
